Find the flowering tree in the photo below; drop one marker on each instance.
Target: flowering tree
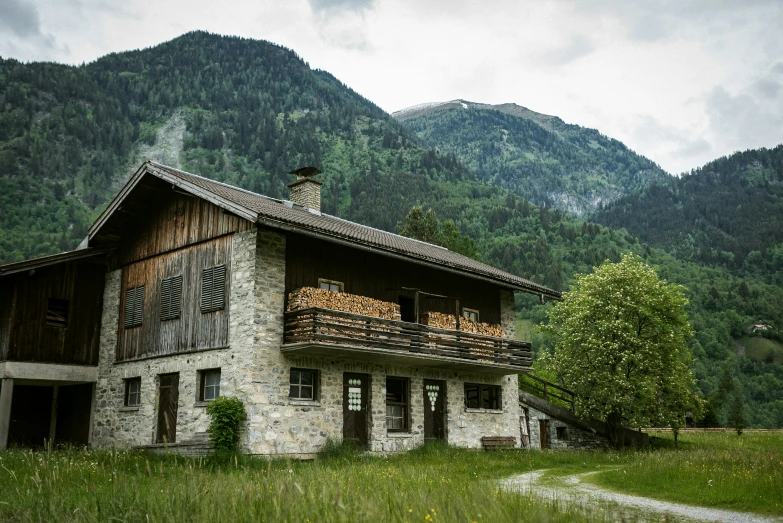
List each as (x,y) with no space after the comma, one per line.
(621,345)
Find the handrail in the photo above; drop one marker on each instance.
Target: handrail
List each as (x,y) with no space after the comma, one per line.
(542,386)
(318,325)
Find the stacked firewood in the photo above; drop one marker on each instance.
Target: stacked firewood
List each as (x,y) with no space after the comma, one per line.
(449,321)
(308,297)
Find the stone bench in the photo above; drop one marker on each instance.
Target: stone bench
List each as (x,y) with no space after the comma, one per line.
(498,442)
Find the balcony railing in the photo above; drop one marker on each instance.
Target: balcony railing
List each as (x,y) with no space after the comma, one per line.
(324,332)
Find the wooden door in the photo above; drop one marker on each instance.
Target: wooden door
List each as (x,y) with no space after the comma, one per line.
(543,433)
(167,408)
(356,402)
(434,401)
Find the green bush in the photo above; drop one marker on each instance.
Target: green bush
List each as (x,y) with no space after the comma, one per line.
(227,415)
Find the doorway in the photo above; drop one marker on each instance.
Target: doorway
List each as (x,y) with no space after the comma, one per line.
(434,401)
(355,408)
(407,308)
(543,433)
(168,401)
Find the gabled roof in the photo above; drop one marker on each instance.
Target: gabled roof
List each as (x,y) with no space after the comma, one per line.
(53,259)
(282,214)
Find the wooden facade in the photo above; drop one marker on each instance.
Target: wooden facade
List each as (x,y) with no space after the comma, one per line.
(76,287)
(192,330)
(384,278)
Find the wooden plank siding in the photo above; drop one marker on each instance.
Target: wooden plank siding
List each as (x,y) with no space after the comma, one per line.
(24,335)
(173,221)
(193,330)
(381,277)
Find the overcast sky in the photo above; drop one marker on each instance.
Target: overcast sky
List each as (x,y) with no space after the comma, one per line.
(681,81)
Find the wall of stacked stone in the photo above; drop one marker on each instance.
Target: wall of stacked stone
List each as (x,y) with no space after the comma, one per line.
(576,438)
(508,317)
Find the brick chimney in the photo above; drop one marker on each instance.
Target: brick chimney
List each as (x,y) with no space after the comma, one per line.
(306,190)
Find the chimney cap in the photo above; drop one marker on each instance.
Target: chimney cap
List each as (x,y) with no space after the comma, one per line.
(305,172)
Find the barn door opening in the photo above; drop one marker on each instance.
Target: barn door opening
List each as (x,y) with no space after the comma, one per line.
(543,433)
(167,408)
(356,400)
(434,401)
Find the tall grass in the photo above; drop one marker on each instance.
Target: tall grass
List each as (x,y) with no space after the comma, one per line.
(712,469)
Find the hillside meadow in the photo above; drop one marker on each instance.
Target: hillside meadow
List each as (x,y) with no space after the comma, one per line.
(433,483)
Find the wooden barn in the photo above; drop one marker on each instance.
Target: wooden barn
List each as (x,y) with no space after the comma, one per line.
(188,289)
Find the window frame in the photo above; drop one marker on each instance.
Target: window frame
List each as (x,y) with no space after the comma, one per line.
(331,283)
(51,305)
(128,392)
(132,293)
(315,385)
(467,311)
(176,280)
(404,404)
(480,389)
(202,388)
(208,274)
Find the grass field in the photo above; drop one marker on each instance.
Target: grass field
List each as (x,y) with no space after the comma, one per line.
(714,469)
(762,349)
(434,483)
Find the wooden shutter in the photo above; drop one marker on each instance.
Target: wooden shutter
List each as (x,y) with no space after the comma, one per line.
(213,288)
(170,298)
(134,306)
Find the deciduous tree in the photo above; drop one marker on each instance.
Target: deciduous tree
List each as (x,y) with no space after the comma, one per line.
(621,345)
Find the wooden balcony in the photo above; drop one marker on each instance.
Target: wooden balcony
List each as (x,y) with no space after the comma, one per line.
(328,333)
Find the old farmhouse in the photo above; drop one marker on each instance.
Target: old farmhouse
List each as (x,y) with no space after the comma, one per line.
(187,289)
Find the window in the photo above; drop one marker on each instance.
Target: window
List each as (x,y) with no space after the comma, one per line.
(134,306)
(471,314)
(57,313)
(303,384)
(562,433)
(482,396)
(396,404)
(329,285)
(170,298)
(210,385)
(213,288)
(133,392)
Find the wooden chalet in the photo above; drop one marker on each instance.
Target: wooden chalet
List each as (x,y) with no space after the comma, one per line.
(188,289)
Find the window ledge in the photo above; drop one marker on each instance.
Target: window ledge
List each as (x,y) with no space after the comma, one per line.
(202,403)
(128,409)
(399,435)
(304,403)
(484,411)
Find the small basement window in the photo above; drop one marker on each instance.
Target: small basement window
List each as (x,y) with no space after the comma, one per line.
(134,306)
(57,313)
(562,433)
(330,285)
(170,298)
(133,392)
(210,385)
(213,288)
(480,396)
(472,314)
(303,384)
(396,404)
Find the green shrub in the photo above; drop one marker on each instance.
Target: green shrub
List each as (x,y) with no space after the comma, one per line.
(227,415)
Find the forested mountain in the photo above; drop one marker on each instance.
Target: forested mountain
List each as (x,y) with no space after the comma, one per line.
(536,156)
(246,112)
(728,213)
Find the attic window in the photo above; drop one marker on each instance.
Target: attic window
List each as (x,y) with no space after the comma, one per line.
(213,288)
(134,306)
(330,285)
(170,298)
(57,313)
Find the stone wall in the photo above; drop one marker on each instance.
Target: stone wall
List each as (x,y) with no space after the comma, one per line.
(575,437)
(508,317)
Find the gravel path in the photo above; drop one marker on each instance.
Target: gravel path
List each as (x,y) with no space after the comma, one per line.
(574,490)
